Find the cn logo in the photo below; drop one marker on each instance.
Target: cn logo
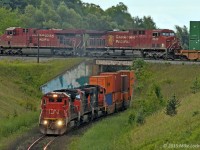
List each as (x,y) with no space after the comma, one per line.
(53,111)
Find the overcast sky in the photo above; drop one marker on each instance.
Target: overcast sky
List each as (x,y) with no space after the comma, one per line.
(165,13)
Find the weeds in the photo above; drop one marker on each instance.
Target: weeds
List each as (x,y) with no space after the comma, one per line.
(196,86)
(131,118)
(140,118)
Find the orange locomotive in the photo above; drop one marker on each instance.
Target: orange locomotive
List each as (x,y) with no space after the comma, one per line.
(64,108)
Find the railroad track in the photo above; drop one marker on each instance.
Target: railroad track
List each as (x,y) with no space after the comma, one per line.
(43,142)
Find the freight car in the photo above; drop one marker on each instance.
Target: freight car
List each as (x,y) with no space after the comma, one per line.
(150,43)
(193,53)
(106,93)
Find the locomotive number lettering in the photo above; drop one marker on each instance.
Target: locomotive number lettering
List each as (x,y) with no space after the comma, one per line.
(131,37)
(47,35)
(53,111)
(44,39)
(121,37)
(155,39)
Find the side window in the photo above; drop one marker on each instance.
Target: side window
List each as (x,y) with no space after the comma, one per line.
(142,32)
(135,32)
(155,34)
(25,30)
(65,102)
(44,102)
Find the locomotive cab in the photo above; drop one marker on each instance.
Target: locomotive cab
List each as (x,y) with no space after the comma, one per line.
(168,39)
(54,114)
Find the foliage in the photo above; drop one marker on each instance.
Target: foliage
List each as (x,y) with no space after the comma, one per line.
(172,104)
(183,35)
(196,86)
(70,14)
(9,18)
(16,123)
(140,117)
(146,22)
(140,68)
(131,118)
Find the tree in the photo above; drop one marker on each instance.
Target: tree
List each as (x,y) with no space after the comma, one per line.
(183,35)
(148,23)
(14,4)
(172,104)
(29,16)
(51,24)
(119,14)
(39,18)
(9,19)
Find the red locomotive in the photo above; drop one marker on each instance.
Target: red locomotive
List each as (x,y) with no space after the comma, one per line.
(18,40)
(105,94)
(151,43)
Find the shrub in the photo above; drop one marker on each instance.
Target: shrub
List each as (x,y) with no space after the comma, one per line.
(140,118)
(196,86)
(172,104)
(157,90)
(195,113)
(131,118)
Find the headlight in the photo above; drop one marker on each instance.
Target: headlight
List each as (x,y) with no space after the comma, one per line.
(59,122)
(55,95)
(45,122)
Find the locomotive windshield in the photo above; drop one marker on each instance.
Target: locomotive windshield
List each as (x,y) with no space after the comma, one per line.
(168,34)
(57,100)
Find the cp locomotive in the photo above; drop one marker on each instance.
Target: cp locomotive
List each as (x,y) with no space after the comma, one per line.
(161,43)
(105,94)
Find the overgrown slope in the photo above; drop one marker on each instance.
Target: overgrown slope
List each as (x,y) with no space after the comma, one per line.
(158,82)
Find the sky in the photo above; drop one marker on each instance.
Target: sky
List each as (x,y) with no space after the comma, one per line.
(165,13)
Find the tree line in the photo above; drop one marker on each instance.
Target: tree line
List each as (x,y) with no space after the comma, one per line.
(73,14)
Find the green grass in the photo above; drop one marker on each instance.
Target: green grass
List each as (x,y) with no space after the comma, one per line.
(20,94)
(158,129)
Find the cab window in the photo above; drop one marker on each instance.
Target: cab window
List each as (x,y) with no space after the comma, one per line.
(172,34)
(59,100)
(51,99)
(155,34)
(9,32)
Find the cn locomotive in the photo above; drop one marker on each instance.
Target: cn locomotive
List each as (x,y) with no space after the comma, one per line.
(159,43)
(106,93)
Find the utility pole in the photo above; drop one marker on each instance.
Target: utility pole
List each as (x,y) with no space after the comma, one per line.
(38,49)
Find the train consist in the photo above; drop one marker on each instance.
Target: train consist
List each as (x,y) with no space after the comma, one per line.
(156,44)
(150,43)
(106,93)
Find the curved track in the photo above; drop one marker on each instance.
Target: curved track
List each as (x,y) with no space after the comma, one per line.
(42,142)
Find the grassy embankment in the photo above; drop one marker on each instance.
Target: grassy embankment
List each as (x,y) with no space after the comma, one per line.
(20,94)
(158,83)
